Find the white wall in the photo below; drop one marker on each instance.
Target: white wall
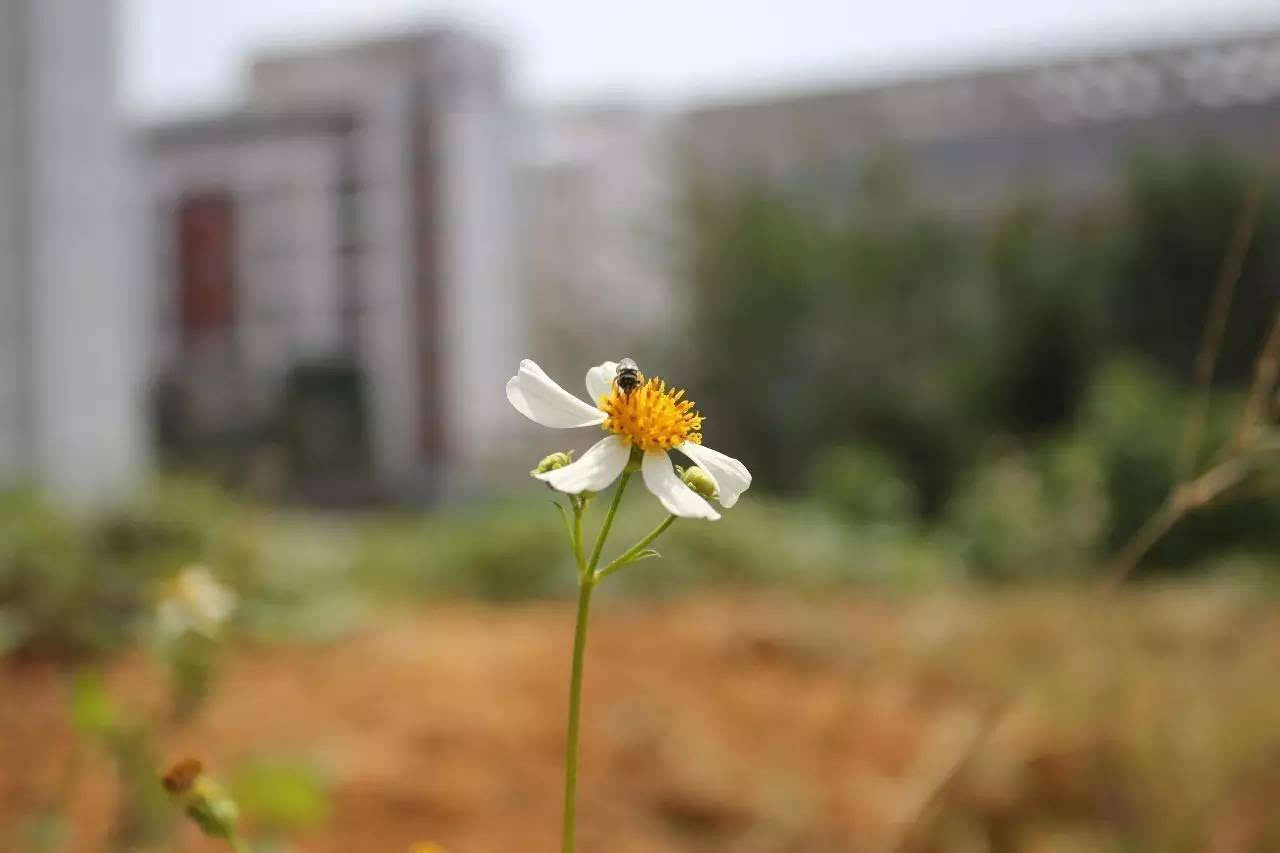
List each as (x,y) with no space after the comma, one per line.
(379,89)
(13,340)
(453,86)
(483,324)
(71,267)
(86,319)
(599,239)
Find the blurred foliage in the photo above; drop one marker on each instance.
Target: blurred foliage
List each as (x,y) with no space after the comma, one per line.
(311,576)
(934,397)
(809,332)
(496,552)
(279,795)
(193,671)
(72,585)
(1134,418)
(1002,398)
(1049,279)
(143,816)
(1021,509)
(1181,213)
(1024,515)
(1022,376)
(864,485)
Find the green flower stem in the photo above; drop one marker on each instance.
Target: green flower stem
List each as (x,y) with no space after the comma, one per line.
(579,509)
(575,704)
(238,844)
(635,549)
(586,584)
(608,523)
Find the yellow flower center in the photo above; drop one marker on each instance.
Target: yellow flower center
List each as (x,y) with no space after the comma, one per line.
(652,417)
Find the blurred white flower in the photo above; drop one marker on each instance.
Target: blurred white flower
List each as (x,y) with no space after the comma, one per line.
(193,600)
(651,418)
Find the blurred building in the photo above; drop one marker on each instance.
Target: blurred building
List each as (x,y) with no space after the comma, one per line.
(336,261)
(333,263)
(599,235)
(604,188)
(71,414)
(975,141)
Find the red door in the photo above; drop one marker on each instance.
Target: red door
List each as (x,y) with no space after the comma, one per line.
(206,265)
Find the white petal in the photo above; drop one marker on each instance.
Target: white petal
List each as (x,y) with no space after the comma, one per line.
(600,380)
(731,477)
(541,400)
(598,467)
(678,498)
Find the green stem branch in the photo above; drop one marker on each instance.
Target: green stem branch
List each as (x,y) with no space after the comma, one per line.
(608,523)
(631,552)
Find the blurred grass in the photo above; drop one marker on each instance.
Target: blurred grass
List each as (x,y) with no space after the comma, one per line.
(78,585)
(73,585)
(1146,722)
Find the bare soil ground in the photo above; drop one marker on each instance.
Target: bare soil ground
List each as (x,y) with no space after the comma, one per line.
(739,724)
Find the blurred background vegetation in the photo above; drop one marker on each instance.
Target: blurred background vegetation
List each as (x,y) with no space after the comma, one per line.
(922,400)
(925,402)
(1016,387)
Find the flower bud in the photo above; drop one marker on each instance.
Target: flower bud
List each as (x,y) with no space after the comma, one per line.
(699,480)
(552,462)
(182,776)
(203,799)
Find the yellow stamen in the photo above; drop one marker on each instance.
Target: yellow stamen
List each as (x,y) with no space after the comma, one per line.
(651,417)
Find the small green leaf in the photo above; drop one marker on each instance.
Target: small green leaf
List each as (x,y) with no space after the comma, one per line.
(642,555)
(564,516)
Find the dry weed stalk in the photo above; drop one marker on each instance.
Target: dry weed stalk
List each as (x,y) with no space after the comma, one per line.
(1215,328)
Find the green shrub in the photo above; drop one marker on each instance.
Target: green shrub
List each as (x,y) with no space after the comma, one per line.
(1023,514)
(1135,419)
(73,585)
(57,594)
(496,552)
(864,485)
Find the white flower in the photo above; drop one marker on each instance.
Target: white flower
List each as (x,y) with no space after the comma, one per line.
(194,601)
(653,418)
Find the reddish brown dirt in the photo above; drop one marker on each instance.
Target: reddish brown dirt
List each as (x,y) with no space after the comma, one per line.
(709,725)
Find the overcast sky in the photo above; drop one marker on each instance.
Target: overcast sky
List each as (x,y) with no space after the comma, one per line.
(181,57)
